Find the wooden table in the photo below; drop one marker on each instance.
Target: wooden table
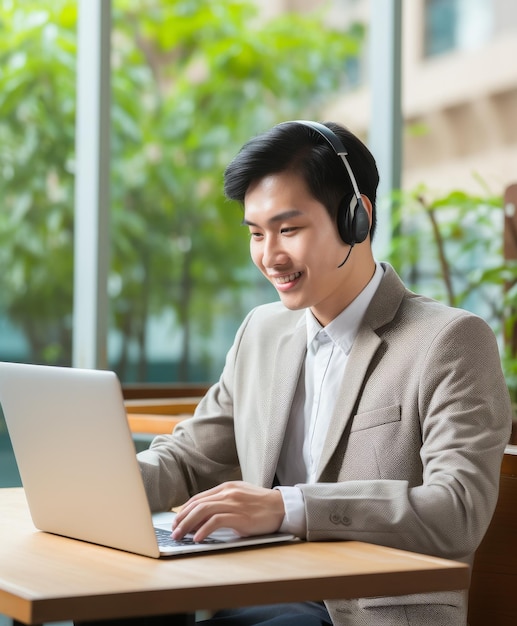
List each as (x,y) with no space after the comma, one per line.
(46,578)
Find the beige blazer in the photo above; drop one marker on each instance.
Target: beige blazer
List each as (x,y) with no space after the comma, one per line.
(413,452)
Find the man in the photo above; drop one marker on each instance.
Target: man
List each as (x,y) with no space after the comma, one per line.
(351,409)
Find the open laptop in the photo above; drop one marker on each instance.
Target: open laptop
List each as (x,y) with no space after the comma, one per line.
(78,465)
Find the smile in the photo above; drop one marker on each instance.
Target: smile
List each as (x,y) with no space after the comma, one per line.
(283,280)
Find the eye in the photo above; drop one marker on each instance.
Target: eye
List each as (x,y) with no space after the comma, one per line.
(255,235)
(288,230)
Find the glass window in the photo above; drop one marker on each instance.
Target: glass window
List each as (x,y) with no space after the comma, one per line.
(457,24)
(441,17)
(37,115)
(191,81)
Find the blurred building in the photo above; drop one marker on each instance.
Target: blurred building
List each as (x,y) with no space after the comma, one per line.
(459,89)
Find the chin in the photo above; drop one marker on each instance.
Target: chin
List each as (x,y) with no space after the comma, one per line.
(292,305)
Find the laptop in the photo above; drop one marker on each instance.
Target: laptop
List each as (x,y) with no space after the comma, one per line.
(78,465)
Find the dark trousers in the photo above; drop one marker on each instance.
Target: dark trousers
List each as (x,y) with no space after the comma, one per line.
(293,614)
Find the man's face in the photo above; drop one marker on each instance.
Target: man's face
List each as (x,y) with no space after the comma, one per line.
(295,244)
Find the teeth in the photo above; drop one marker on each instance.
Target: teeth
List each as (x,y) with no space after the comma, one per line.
(288,279)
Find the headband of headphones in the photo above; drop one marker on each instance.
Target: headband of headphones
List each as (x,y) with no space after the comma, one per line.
(353,220)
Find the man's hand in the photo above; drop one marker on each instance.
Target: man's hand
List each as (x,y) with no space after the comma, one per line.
(247,509)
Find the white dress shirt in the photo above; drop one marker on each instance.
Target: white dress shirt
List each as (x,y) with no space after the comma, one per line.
(327,354)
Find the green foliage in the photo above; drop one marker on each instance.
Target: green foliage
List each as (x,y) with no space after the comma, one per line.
(37,57)
(191,81)
(452,243)
(451,247)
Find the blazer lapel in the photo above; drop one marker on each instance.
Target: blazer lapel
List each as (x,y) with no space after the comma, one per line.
(382,310)
(365,346)
(287,365)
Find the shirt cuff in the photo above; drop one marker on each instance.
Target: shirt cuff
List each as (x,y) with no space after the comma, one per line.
(294,521)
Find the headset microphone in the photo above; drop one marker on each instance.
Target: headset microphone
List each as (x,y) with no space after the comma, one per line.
(346,258)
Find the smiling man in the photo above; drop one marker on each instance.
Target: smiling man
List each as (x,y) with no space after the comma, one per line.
(300,251)
(350,409)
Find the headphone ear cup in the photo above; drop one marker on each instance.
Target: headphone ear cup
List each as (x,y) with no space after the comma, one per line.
(353,223)
(360,221)
(344,225)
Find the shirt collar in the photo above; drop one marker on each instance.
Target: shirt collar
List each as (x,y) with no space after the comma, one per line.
(343,329)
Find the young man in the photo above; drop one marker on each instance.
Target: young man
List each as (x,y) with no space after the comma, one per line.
(351,409)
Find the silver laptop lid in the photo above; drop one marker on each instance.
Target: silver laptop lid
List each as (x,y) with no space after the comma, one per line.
(76,456)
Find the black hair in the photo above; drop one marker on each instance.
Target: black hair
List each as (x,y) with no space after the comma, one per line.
(290,146)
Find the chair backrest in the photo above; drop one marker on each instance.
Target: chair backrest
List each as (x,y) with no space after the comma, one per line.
(493,588)
(140,391)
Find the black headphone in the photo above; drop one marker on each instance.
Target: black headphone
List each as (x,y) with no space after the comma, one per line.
(353,223)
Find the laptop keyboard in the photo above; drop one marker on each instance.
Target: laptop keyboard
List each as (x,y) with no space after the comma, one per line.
(166,541)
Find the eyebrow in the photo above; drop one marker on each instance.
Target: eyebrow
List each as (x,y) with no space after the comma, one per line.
(279,217)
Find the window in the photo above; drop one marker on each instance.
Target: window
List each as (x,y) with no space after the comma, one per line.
(456,24)
(191,81)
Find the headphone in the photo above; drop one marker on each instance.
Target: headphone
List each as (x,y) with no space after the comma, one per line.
(353,223)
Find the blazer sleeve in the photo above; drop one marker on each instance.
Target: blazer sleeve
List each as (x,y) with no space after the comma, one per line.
(201,452)
(464,414)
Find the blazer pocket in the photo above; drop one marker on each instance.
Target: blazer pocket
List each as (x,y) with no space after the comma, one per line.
(379,417)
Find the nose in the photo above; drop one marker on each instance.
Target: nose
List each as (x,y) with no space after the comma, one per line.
(273,253)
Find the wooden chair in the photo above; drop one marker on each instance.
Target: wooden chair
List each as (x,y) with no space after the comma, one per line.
(149,424)
(493,589)
(157,409)
(158,416)
(141,391)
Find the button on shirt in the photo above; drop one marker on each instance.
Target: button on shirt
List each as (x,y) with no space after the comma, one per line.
(327,355)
